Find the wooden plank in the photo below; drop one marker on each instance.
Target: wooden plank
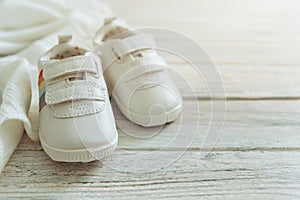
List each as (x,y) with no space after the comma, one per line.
(255,45)
(249,125)
(254,40)
(233,32)
(245,82)
(223,175)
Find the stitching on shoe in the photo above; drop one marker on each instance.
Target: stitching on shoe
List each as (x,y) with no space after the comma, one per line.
(80,113)
(48,70)
(69,85)
(76,113)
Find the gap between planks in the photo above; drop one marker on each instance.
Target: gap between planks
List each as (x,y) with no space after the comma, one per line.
(274,98)
(221,174)
(248,124)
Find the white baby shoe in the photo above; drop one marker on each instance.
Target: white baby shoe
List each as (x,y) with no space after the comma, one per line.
(76,119)
(136,75)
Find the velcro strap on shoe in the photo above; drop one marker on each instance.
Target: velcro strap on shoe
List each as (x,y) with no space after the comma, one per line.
(148,65)
(74,91)
(116,48)
(55,68)
(134,43)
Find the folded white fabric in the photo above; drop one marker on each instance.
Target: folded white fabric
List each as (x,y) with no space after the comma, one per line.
(27,29)
(19,104)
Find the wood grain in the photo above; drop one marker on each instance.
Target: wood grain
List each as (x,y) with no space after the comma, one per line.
(255,45)
(240,83)
(225,175)
(249,125)
(258,32)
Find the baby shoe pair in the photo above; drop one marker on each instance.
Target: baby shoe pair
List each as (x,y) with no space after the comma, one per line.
(76,119)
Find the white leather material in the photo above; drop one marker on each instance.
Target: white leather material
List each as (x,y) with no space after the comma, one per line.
(140,98)
(136,71)
(70,91)
(76,108)
(109,25)
(64,38)
(77,115)
(114,49)
(144,97)
(138,80)
(139,67)
(76,133)
(56,68)
(133,43)
(60,86)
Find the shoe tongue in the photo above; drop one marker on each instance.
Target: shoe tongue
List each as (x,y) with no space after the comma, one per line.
(111,27)
(64,38)
(118,33)
(66,50)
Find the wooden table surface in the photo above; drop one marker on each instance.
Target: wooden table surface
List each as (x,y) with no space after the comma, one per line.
(255,45)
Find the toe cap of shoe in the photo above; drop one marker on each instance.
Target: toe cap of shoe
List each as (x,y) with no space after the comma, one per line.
(154,102)
(81,132)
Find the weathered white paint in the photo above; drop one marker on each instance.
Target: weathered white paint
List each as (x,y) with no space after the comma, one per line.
(256,45)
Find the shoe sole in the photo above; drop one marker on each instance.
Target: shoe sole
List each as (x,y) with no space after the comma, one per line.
(80,155)
(151,120)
